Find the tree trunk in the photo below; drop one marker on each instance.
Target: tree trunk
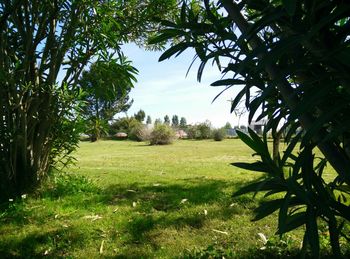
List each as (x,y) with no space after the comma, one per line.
(276,138)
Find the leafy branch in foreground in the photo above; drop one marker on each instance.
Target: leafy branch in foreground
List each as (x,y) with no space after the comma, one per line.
(290,62)
(44,48)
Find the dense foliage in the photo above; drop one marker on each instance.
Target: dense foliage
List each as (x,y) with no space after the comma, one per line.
(162,134)
(199,131)
(106,86)
(45,46)
(140,115)
(292,60)
(219,134)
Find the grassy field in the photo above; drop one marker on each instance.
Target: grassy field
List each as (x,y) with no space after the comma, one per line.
(129,199)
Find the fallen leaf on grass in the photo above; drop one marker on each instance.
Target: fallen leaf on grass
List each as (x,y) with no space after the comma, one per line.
(92,217)
(131,191)
(134,204)
(219,231)
(183,201)
(205,212)
(101,247)
(262,238)
(156,184)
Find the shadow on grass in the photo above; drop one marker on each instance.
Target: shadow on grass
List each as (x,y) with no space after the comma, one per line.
(56,243)
(153,206)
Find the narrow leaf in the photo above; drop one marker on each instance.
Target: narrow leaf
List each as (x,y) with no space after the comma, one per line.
(267,208)
(290,6)
(228,82)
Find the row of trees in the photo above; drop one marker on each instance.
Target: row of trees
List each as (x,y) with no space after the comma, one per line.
(175,122)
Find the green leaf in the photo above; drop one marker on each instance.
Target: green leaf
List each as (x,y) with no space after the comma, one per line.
(183,12)
(290,6)
(267,208)
(246,139)
(228,82)
(293,222)
(256,167)
(237,99)
(288,152)
(312,232)
(166,35)
(264,185)
(173,50)
(260,146)
(282,215)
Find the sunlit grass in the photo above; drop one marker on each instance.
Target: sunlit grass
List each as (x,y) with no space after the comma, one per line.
(129,199)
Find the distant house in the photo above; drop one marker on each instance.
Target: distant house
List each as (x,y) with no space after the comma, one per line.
(258,126)
(231,132)
(181,134)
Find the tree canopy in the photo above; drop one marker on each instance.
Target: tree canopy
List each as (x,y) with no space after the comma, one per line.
(106,86)
(45,47)
(166,120)
(140,115)
(175,120)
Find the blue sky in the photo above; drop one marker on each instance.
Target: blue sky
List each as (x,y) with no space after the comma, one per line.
(163,89)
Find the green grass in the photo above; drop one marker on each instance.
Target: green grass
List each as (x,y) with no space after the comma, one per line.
(128,199)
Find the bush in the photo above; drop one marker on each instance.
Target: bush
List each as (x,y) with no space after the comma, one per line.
(162,134)
(134,132)
(219,134)
(200,131)
(125,124)
(193,132)
(140,133)
(205,130)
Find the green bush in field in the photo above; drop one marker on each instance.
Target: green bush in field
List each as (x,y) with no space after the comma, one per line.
(219,134)
(129,125)
(134,132)
(162,134)
(193,132)
(140,133)
(200,131)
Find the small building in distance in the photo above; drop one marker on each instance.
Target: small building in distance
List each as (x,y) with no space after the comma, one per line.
(258,126)
(231,132)
(181,134)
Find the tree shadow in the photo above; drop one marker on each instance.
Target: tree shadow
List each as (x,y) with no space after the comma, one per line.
(54,244)
(153,206)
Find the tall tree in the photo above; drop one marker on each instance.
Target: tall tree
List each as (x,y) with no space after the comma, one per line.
(149,120)
(39,41)
(106,86)
(228,125)
(295,54)
(157,121)
(175,121)
(166,120)
(140,115)
(183,123)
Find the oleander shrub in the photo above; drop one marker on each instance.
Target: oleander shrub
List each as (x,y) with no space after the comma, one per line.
(219,134)
(162,134)
(140,133)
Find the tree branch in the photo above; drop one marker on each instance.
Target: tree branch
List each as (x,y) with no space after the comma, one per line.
(337,159)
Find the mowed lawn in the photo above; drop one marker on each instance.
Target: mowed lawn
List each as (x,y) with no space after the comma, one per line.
(127,199)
